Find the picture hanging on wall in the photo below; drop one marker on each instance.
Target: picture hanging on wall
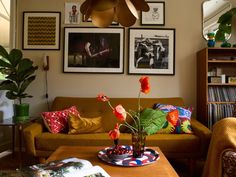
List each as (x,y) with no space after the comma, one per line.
(156,14)
(72,15)
(41,30)
(93,50)
(152,51)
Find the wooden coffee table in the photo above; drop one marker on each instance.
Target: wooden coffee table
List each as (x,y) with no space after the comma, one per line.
(160,168)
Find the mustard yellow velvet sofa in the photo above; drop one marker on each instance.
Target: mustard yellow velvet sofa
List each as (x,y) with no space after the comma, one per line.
(41,143)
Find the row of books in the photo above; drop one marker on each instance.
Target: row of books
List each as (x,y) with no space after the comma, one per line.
(217,112)
(222,94)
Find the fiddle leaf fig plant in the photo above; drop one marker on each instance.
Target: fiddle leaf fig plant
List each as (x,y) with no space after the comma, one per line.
(19,73)
(225,25)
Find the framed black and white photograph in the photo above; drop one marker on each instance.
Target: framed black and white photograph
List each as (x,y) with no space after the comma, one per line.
(93,50)
(41,30)
(72,15)
(152,51)
(156,14)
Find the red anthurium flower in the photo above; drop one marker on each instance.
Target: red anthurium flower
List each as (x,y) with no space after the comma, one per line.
(120,112)
(145,86)
(102,97)
(115,133)
(173,117)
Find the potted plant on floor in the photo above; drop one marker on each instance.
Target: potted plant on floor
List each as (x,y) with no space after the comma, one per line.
(19,73)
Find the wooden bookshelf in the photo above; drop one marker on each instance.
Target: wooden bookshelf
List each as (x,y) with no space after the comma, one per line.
(207,59)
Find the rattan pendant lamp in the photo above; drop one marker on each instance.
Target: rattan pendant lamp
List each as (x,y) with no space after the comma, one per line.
(104,12)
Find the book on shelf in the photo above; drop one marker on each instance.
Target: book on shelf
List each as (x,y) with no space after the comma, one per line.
(69,167)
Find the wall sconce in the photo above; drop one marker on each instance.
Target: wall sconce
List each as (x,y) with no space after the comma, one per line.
(104,12)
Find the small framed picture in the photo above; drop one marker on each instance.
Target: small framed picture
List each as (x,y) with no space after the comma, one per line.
(156,14)
(152,51)
(72,15)
(41,30)
(93,50)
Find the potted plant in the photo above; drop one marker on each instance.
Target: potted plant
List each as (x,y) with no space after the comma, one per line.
(225,25)
(19,73)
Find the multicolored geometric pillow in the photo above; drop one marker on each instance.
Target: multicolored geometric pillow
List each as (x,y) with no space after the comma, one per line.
(57,121)
(178,119)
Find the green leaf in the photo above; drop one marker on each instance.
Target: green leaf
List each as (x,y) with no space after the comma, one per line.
(15,56)
(4,64)
(3,52)
(8,85)
(26,83)
(11,95)
(152,120)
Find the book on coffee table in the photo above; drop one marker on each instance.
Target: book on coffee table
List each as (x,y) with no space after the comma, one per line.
(69,167)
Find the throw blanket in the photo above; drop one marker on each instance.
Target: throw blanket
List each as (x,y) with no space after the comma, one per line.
(223,139)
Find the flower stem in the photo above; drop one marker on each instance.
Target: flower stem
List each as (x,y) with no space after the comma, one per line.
(129,126)
(139,110)
(132,118)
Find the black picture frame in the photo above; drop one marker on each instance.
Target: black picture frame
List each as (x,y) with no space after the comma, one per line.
(151,51)
(93,50)
(41,30)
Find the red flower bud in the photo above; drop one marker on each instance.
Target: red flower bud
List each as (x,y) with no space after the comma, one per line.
(102,97)
(145,86)
(120,112)
(115,133)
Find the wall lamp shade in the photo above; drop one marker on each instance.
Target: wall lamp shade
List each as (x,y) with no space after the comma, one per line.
(104,12)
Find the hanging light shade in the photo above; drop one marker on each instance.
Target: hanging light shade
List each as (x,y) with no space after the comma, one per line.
(103,12)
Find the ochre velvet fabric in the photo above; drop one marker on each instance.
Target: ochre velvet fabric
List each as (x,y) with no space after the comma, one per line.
(78,125)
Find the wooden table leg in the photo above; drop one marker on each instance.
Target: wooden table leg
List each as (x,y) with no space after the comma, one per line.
(13,140)
(20,145)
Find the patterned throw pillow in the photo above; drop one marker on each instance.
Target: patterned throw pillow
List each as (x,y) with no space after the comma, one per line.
(178,119)
(57,121)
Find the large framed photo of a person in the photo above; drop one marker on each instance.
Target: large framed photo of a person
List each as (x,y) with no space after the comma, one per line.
(93,50)
(152,51)
(156,14)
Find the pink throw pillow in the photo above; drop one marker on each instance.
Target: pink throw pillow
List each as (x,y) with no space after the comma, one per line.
(57,121)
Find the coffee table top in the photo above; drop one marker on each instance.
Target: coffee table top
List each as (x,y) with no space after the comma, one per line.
(160,168)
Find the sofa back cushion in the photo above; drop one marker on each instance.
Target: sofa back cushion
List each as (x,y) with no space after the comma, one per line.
(91,107)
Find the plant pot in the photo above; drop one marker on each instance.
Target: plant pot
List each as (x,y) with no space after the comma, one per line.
(21,112)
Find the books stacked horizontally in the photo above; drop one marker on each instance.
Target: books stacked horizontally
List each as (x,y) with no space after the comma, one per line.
(70,167)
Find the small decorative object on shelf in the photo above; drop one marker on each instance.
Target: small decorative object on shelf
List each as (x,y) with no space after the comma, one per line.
(225,44)
(211,39)
(144,121)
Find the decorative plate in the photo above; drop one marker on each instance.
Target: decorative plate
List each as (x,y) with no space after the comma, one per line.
(149,157)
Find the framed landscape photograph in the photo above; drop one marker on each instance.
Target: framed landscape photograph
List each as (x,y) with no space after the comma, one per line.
(152,51)
(41,30)
(93,50)
(156,14)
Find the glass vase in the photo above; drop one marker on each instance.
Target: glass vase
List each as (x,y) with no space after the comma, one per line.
(138,144)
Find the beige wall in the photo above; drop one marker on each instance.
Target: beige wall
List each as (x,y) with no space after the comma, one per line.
(183,15)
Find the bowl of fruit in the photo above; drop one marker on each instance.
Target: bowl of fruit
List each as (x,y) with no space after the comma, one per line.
(118,153)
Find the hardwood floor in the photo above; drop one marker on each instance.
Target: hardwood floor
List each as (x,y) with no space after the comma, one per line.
(11,162)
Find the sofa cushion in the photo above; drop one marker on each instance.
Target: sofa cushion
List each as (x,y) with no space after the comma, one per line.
(56,121)
(178,119)
(78,124)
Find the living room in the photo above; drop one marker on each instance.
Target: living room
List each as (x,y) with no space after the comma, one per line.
(184,16)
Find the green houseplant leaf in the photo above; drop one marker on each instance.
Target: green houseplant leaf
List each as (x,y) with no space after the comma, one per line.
(152,120)
(20,73)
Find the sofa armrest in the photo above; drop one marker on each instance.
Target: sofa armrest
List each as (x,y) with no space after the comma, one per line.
(204,133)
(29,133)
